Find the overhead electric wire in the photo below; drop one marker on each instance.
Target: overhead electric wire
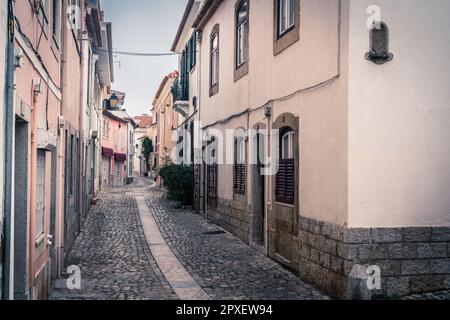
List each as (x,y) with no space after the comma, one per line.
(29,43)
(138,54)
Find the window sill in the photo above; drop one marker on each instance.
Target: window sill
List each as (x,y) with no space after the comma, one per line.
(286,40)
(239,197)
(287,205)
(241,71)
(379,59)
(214,90)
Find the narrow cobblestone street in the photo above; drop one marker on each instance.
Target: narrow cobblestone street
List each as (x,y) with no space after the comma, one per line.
(116,262)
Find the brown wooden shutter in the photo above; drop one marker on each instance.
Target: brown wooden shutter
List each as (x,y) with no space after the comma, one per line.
(239,179)
(212,181)
(285,182)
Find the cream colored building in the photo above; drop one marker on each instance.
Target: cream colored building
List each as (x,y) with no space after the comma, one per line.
(166,119)
(364,131)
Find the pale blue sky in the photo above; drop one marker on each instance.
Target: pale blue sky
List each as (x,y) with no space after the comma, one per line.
(142,26)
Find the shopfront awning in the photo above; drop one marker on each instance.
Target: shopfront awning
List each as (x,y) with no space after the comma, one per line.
(107,152)
(121,157)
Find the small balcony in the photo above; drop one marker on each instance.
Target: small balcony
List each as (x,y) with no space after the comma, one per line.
(180,92)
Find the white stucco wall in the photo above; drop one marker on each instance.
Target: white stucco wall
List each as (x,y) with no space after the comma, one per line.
(399,117)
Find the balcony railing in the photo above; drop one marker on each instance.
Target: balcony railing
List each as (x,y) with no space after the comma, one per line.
(180,90)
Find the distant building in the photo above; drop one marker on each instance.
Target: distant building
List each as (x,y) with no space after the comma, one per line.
(167,121)
(114,150)
(143,132)
(185,89)
(129,143)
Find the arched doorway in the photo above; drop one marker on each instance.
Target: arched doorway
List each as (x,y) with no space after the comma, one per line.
(284,216)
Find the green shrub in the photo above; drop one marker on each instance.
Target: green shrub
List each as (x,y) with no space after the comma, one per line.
(179,181)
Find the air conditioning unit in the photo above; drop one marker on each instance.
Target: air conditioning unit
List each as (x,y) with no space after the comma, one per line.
(94,134)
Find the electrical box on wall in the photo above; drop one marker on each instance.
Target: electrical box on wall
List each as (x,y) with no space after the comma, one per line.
(18,58)
(37,85)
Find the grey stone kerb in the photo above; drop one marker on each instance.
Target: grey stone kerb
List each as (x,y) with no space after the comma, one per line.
(179,279)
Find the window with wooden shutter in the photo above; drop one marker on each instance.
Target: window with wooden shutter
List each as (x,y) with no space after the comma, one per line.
(285,178)
(194,49)
(239,166)
(191,48)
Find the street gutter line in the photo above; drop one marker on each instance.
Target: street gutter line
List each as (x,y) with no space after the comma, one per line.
(185,287)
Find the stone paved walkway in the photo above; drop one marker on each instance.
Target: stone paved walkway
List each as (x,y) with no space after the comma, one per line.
(438,296)
(225,267)
(117,264)
(115,260)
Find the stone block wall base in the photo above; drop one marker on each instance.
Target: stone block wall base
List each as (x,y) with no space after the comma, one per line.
(411,260)
(233,216)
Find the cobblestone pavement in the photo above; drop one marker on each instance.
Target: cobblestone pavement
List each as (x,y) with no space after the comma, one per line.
(115,260)
(225,267)
(439,296)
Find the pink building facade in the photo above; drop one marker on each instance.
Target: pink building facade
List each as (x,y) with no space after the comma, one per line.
(114,150)
(57,86)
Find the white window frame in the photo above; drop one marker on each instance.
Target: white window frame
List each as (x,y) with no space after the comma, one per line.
(214,57)
(286,18)
(40,198)
(287,145)
(241,29)
(240,150)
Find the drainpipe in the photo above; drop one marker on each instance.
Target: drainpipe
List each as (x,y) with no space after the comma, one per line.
(203,173)
(268,183)
(81,153)
(33,195)
(62,148)
(8,269)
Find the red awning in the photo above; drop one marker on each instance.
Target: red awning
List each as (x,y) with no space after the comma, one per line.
(121,157)
(107,152)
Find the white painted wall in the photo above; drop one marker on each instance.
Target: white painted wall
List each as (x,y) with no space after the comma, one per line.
(399,117)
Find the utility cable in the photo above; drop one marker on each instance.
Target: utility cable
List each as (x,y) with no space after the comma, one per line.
(138,54)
